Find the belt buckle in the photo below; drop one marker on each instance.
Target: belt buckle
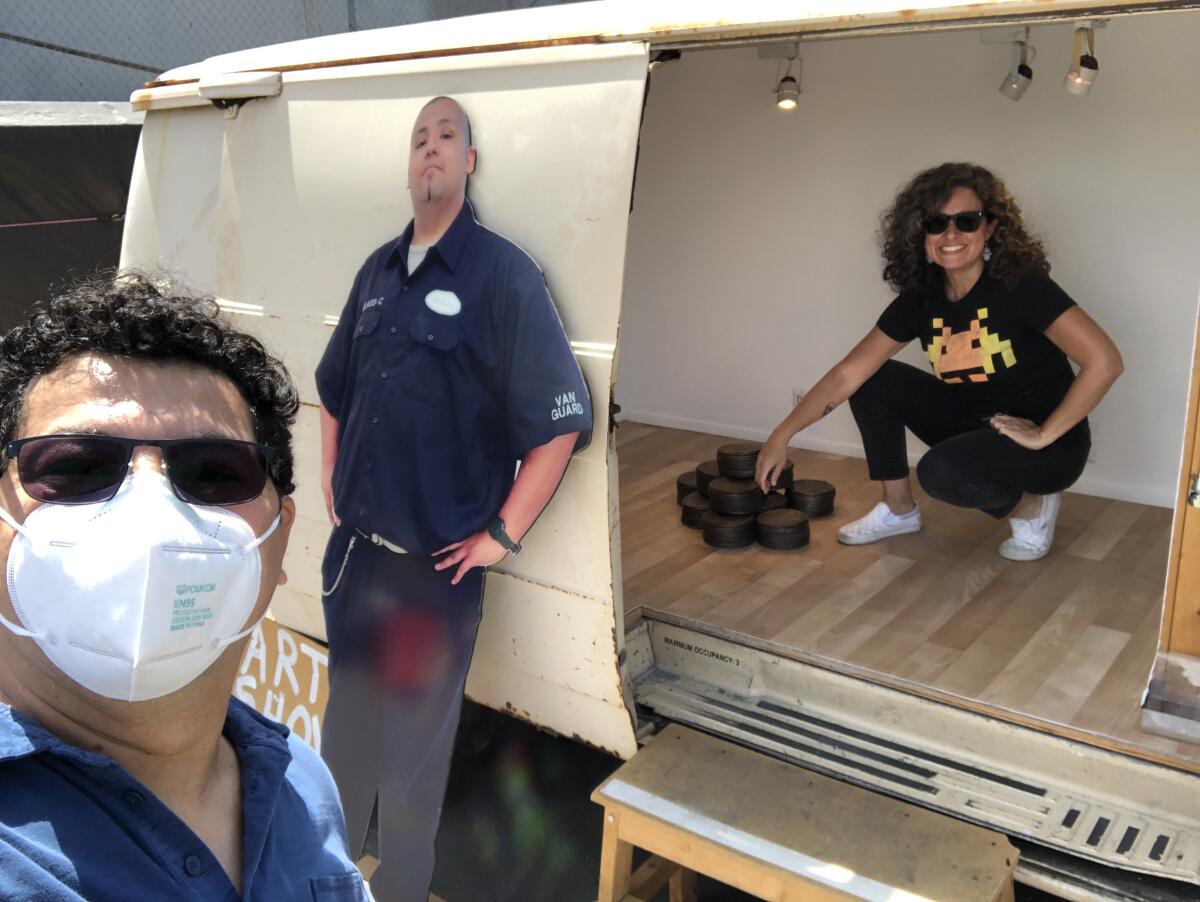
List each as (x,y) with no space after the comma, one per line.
(380,542)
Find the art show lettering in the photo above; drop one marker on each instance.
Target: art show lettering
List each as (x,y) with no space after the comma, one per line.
(565,406)
(287,688)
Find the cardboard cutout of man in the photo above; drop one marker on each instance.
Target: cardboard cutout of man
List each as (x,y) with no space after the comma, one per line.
(448,367)
(145,507)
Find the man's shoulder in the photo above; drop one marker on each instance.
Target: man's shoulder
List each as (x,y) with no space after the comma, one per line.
(510,258)
(307,771)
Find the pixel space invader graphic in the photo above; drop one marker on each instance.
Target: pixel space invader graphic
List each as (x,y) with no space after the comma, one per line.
(970,355)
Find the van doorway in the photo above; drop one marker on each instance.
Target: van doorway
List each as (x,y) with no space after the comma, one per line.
(752,267)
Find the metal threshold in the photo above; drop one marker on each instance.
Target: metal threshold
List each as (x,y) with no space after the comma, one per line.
(1062,794)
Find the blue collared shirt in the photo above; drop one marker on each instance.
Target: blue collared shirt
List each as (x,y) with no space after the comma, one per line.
(441,380)
(76,826)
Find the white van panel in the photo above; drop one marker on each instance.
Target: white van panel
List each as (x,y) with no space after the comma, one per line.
(272,207)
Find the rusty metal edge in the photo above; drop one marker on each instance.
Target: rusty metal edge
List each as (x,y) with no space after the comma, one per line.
(969,16)
(400,57)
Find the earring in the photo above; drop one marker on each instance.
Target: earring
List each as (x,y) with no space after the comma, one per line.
(987,253)
(929,259)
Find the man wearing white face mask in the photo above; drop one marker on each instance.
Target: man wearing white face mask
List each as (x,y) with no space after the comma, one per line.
(144,513)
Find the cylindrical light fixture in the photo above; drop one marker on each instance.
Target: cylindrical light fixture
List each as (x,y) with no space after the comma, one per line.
(1084,68)
(787,93)
(787,89)
(1021,75)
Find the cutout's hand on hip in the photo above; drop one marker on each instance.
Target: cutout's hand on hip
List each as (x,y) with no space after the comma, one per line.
(479,550)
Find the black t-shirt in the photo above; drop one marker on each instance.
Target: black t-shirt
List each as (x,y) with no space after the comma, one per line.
(990,344)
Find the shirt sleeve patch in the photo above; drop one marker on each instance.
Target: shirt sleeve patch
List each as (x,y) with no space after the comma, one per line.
(566,405)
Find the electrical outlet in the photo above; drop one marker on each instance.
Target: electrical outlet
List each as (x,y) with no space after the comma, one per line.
(797,395)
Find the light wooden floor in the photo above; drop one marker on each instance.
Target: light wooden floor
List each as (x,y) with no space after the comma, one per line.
(1064,643)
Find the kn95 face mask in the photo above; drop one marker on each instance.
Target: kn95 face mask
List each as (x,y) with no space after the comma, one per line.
(135,597)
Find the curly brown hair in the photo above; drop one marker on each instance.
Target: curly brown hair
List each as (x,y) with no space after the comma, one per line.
(1015,251)
(129,315)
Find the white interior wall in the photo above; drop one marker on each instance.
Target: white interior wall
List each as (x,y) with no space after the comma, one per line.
(753,264)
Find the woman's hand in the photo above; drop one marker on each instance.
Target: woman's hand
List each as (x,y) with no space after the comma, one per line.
(771,461)
(1025,433)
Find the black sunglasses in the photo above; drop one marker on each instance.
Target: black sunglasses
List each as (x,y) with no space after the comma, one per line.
(964,222)
(82,469)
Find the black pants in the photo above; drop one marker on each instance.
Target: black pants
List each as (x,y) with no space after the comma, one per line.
(968,464)
(400,643)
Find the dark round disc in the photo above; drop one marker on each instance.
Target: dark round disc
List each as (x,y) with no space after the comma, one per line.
(813,486)
(813,496)
(706,473)
(783,529)
(784,479)
(734,496)
(774,501)
(685,485)
(694,507)
(737,459)
(721,531)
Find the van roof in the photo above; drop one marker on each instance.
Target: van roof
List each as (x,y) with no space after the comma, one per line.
(669,22)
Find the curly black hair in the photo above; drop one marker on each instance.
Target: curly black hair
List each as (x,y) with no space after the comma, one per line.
(129,315)
(1015,251)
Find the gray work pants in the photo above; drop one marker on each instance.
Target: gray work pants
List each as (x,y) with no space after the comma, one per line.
(400,642)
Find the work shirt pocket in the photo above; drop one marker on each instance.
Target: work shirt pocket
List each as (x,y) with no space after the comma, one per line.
(368,321)
(433,330)
(339,888)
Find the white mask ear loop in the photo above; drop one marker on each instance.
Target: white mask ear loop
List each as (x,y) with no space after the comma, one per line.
(20,630)
(222,643)
(250,546)
(16,629)
(8,518)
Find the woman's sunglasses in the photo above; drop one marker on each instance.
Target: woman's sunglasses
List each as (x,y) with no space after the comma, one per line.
(82,469)
(964,222)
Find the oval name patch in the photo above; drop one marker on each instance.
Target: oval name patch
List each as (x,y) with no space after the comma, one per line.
(444,302)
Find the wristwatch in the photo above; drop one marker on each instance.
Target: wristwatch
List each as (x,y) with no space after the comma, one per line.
(496,531)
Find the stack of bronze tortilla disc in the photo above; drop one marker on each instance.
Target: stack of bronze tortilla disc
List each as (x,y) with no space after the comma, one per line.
(685,485)
(737,459)
(721,531)
(706,473)
(773,501)
(783,529)
(694,507)
(734,496)
(813,496)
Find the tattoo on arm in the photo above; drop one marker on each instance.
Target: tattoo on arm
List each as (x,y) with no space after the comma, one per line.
(828,409)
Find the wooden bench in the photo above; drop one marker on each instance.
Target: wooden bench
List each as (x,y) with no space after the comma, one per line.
(779,832)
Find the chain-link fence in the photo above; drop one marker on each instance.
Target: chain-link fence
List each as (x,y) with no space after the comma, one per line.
(82,50)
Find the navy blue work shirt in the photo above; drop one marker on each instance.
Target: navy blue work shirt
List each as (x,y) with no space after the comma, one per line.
(76,826)
(441,380)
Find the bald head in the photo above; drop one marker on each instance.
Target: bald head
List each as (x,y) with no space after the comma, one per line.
(440,158)
(464,123)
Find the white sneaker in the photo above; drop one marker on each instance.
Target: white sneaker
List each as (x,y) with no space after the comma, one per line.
(879,524)
(1031,539)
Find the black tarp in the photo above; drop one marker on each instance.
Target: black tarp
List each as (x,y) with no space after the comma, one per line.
(52,173)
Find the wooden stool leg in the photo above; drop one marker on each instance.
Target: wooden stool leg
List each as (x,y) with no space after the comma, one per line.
(1007,892)
(616,860)
(683,886)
